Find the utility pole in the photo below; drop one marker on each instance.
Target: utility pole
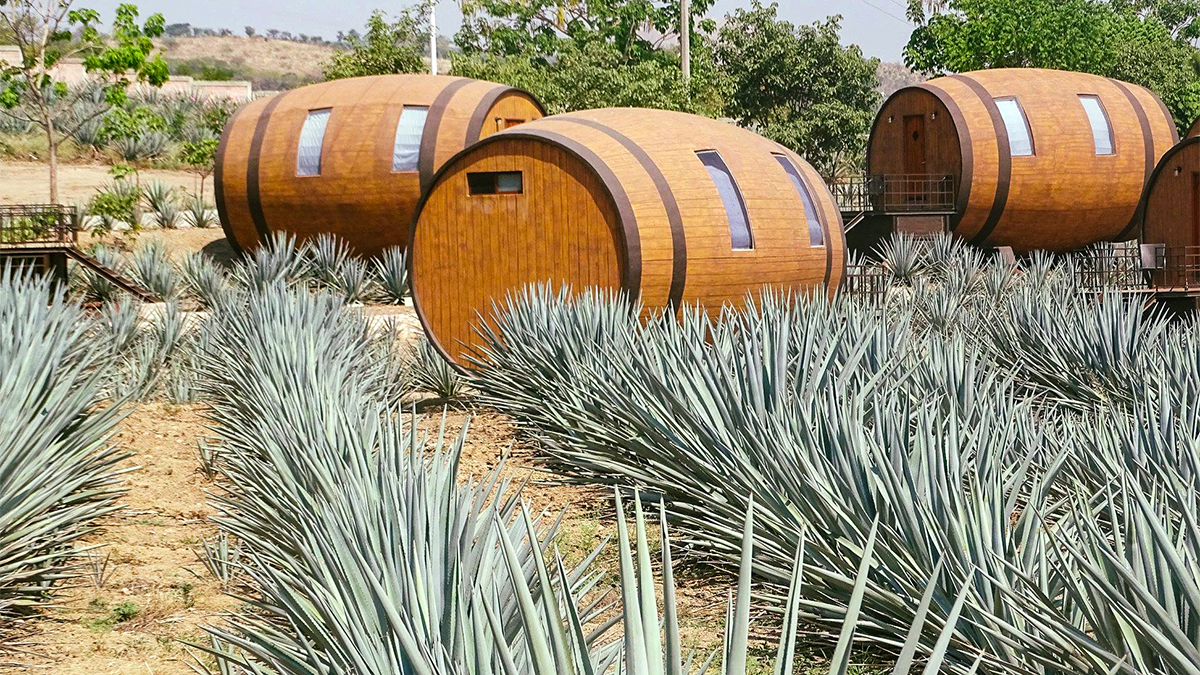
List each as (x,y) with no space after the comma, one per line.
(433,37)
(685,38)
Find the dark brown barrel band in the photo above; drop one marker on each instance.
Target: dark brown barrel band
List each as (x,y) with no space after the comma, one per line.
(433,123)
(1148,146)
(219,182)
(1004,177)
(253,192)
(674,217)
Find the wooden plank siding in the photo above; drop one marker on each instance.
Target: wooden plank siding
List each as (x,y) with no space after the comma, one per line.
(357,196)
(1170,203)
(1064,196)
(614,199)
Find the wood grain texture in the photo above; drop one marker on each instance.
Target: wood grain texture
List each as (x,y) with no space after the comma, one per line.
(1063,197)
(1194,130)
(357,196)
(570,225)
(1170,205)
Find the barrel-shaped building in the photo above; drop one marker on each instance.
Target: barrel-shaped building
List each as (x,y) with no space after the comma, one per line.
(1038,159)
(668,207)
(351,157)
(1172,201)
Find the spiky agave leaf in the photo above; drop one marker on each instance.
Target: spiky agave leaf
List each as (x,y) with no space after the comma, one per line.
(57,466)
(814,410)
(361,540)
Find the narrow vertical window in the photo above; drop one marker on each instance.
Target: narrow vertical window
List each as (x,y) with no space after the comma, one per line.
(1020,138)
(406,150)
(312,136)
(731,197)
(1098,119)
(816,236)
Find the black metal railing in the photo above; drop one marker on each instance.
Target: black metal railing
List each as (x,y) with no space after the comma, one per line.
(27,224)
(917,193)
(865,281)
(854,193)
(1139,268)
(895,193)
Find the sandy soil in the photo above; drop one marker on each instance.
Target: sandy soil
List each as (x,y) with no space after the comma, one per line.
(152,564)
(179,242)
(29,182)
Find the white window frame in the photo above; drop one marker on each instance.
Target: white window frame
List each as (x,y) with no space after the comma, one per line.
(816,235)
(316,122)
(733,207)
(1092,119)
(1011,125)
(406,157)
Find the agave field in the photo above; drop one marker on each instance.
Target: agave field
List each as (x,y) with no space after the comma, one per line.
(982,471)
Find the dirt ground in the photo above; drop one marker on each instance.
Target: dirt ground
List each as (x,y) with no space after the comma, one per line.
(155,591)
(157,594)
(29,182)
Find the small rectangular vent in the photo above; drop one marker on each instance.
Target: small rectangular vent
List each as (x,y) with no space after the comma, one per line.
(496,183)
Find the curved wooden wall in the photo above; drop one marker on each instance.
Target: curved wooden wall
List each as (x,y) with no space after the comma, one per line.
(1194,130)
(1172,211)
(615,199)
(357,195)
(1061,198)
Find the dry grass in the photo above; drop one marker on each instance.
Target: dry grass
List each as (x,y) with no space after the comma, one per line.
(29,182)
(259,54)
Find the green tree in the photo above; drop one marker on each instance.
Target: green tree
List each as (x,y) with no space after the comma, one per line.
(1147,42)
(578,55)
(597,75)
(47,31)
(539,27)
(199,156)
(386,48)
(798,85)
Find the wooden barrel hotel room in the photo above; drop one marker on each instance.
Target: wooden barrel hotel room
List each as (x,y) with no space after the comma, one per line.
(351,157)
(668,207)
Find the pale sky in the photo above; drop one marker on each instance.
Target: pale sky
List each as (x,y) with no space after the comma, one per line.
(878,26)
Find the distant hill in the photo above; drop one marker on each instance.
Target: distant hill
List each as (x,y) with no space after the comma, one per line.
(894,76)
(268,64)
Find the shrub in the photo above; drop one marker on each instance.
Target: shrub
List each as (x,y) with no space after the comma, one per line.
(117,201)
(200,212)
(391,274)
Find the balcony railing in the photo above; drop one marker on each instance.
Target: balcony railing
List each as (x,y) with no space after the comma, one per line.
(865,281)
(1148,267)
(33,224)
(895,193)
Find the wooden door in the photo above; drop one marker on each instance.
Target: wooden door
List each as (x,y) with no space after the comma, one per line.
(1194,226)
(1190,256)
(914,156)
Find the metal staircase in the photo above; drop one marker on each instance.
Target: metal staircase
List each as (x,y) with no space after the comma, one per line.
(42,237)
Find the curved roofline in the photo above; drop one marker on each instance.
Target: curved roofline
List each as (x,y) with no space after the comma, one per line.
(488,101)
(219,180)
(1162,163)
(631,264)
(965,150)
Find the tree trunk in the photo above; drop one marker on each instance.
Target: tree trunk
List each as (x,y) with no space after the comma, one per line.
(53,161)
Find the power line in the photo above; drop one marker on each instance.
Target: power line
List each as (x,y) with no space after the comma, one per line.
(877,8)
